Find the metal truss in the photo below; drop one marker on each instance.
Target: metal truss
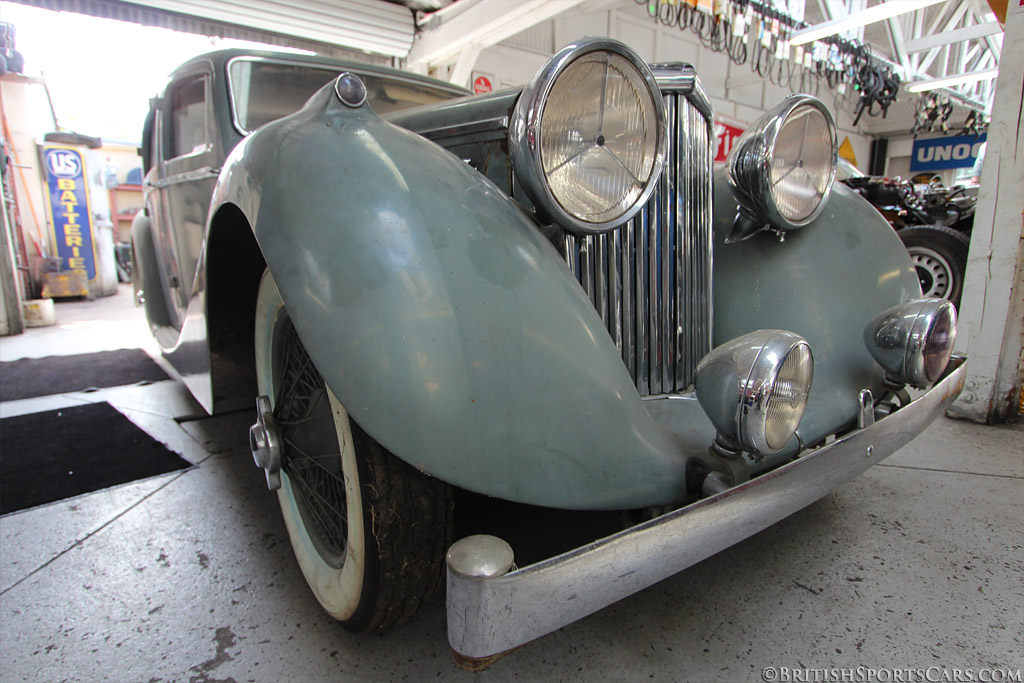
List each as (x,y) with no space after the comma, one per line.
(954,37)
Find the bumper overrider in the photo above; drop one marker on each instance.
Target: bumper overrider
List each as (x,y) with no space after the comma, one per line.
(492,610)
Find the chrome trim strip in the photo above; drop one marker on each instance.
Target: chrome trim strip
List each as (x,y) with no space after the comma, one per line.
(198,174)
(643,303)
(488,616)
(681,78)
(669,317)
(466,128)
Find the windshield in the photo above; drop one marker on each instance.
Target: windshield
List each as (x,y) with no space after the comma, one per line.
(262,91)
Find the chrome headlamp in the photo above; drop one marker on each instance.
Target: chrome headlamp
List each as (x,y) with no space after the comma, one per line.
(588,136)
(754,389)
(913,341)
(782,168)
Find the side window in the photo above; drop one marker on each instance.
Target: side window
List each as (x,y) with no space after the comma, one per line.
(148,149)
(154,140)
(188,117)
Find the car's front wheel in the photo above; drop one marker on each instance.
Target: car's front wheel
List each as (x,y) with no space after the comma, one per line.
(369,531)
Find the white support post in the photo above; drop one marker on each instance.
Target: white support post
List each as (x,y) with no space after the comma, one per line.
(464,64)
(992,306)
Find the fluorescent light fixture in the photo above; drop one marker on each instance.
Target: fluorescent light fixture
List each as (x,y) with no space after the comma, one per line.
(950,81)
(880,12)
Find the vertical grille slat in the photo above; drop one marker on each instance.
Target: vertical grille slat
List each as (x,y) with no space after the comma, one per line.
(650,280)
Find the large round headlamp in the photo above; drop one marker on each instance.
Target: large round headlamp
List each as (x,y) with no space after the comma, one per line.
(913,341)
(587,136)
(782,168)
(755,388)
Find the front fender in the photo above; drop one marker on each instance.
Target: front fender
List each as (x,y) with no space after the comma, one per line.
(443,320)
(826,282)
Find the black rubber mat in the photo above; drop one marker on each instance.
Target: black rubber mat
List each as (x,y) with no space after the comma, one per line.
(57,454)
(30,377)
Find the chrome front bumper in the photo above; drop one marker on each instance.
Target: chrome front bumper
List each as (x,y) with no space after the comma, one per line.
(489,615)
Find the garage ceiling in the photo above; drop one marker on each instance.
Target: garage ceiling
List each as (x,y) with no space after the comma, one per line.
(367,26)
(952,37)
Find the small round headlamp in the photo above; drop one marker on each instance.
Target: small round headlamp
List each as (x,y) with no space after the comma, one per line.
(913,341)
(782,168)
(755,388)
(588,136)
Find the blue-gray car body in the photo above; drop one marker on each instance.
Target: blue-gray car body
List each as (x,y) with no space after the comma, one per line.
(473,338)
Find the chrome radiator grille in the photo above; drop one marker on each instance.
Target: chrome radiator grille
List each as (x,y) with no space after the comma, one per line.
(650,279)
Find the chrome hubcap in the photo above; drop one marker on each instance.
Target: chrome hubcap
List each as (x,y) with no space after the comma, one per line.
(265,443)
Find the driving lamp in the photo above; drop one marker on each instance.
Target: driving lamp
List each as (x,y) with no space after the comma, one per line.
(754,389)
(588,136)
(782,168)
(913,341)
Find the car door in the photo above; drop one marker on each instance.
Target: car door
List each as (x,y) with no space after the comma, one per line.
(188,173)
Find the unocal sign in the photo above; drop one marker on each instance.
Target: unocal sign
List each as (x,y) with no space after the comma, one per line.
(938,154)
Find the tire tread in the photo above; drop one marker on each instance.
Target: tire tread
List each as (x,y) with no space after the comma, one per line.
(409,515)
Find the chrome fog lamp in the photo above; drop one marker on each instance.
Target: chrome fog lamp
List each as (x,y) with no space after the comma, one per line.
(782,168)
(754,389)
(588,136)
(913,341)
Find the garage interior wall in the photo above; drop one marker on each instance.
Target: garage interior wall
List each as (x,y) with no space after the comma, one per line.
(736,92)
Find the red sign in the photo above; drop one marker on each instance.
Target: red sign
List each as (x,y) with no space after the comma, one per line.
(726,136)
(482,84)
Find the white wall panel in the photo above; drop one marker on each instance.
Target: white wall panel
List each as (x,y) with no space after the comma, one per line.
(637,34)
(574,26)
(510,65)
(538,38)
(673,48)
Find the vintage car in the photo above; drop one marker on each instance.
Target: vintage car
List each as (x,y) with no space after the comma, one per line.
(545,295)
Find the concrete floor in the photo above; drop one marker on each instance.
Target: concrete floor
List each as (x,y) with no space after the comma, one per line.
(189,576)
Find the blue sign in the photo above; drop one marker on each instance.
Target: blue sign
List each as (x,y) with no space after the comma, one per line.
(69,209)
(939,154)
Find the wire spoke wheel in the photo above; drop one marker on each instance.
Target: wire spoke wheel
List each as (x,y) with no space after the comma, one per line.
(311,457)
(369,531)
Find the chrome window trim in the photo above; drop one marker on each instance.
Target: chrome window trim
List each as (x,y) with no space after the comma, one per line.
(206,77)
(186,176)
(466,128)
(332,68)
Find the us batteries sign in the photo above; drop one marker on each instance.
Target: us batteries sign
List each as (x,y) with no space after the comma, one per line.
(939,154)
(69,209)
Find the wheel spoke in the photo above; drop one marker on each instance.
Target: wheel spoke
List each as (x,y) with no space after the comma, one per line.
(307,427)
